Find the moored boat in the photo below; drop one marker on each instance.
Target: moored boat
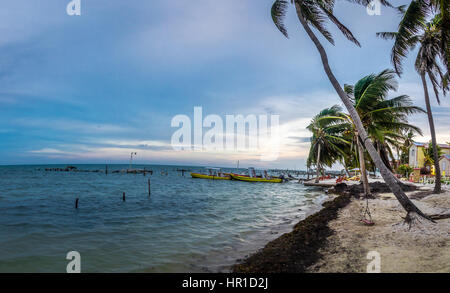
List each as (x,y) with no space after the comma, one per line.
(252,177)
(213,174)
(255,179)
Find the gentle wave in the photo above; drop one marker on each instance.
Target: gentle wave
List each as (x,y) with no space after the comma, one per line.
(186,225)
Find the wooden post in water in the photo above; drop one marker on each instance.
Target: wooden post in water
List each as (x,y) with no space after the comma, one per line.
(123,196)
(76,203)
(106,169)
(149,189)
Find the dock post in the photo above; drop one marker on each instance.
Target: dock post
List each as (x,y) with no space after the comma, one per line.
(149,189)
(123,196)
(76,203)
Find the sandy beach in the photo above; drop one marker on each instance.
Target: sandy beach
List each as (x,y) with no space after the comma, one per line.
(334,239)
(423,248)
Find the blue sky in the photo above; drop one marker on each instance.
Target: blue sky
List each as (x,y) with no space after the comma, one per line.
(92,88)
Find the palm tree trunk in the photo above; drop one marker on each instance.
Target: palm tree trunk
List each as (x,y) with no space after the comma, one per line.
(437,184)
(362,165)
(318,164)
(388,177)
(346,171)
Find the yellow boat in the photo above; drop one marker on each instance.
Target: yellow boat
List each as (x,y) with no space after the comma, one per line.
(213,177)
(255,179)
(213,174)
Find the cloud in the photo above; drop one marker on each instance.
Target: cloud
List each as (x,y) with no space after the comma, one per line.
(96,87)
(440,112)
(301,139)
(72,126)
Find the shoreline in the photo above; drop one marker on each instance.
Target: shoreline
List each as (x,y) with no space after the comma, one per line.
(295,251)
(333,239)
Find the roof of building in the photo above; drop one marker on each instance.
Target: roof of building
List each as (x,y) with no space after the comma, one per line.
(445,156)
(441,145)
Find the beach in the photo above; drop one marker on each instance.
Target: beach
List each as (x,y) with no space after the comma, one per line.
(340,242)
(423,248)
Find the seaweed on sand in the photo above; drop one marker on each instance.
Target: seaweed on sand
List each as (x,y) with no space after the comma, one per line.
(295,251)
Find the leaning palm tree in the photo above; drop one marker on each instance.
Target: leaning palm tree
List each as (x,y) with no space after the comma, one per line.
(315,13)
(384,119)
(327,143)
(428,36)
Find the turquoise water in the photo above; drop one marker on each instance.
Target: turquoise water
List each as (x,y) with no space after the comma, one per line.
(187,225)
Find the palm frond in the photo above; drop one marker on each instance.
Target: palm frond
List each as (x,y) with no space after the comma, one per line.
(345,31)
(410,25)
(278,12)
(313,14)
(434,84)
(387,35)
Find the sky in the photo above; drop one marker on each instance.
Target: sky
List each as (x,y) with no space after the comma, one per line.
(95,87)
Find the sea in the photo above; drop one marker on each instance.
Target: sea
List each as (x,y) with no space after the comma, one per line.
(184,225)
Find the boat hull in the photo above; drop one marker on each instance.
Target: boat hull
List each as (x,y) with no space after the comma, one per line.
(204,176)
(253,179)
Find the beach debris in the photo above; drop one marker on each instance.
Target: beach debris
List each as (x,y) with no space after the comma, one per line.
(357,190)
(296,251)
(440,217)
(367,222)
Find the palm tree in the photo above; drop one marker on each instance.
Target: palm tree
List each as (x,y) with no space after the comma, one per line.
(327,143)
(408,140)
(428,154)
(428,36)
(384,119)
(413,20)
(315,13)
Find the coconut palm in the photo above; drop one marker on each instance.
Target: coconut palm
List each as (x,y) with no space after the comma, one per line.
(327,143)
(407,142)
(428,36)
(412,23)
(384,119)
(428,155)
(315,13)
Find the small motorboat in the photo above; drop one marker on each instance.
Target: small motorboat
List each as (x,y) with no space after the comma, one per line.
(252,177)
(213,174)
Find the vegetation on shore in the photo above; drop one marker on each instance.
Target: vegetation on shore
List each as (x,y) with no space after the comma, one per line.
(315,14)
(370,130)
(432,37)
(384,119)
